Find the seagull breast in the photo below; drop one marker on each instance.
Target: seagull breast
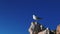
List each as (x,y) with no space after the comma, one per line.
(34,17)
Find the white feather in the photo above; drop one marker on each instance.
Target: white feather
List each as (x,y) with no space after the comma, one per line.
(34,17)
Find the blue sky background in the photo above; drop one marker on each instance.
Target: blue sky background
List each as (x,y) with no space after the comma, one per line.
(16,15)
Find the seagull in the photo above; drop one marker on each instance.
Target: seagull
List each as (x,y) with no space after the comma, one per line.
(36,18)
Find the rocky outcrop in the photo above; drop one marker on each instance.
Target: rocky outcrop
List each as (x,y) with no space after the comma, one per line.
(40,29)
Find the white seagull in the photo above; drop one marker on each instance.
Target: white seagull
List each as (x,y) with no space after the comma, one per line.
(36,18)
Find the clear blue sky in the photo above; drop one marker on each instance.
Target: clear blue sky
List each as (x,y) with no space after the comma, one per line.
(16,15)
